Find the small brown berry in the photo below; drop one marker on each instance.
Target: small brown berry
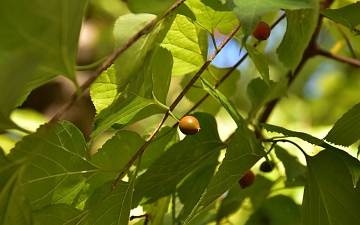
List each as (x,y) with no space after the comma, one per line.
(262,31)
(267,166)
(189,125)
(247,180)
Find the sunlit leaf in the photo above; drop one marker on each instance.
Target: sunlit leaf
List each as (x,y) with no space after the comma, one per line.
(188,45)
(260,62)
(157,210)
(329,196)
(58,214)
(346,130)
(301,25)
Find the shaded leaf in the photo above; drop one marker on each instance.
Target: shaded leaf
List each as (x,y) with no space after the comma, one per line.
(161,178)
(347,16)
(157,210)
(58,214)
(225,102)
(301,25)
(279,209)
(157,7)
(329,196)
(250,12)
(187,44)
(243,152)
(212,75)
(260,93)
(346,130)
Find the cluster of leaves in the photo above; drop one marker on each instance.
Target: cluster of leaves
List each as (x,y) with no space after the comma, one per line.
(50,178)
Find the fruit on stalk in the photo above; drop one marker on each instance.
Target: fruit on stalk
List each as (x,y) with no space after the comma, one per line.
(189,125)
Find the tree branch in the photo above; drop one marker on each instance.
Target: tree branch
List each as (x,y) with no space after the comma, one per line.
(350,61)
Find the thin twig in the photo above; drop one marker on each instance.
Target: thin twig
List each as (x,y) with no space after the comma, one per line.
(107,64)
(350,61)
(173,105)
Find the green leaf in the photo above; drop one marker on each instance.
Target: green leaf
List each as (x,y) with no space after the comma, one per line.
(293,168)
(103,90)
(258,192)
(329,196)
(56,161)
(347,16)
(157,210)
(250,12)
(346,130)
(351,162)
(260,93)
(157,7)
(187,44)
(58,214)
(178,161)
(193,187)
(301,25)
(130,61)
(243,152)
(16,70)
(108,206)
(161,66)
(279,209)
(47,32)
(212,75)
(212,14)
(260,62)
(225,102)
(117,152)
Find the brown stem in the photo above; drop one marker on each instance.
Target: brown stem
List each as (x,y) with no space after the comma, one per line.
(107,64)
(353,62)
(174,104)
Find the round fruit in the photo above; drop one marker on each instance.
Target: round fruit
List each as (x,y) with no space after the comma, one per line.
(262,31)
(247,180)
(189,125)
(267,166)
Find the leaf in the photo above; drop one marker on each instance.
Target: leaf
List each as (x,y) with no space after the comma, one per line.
(187,44)
(243,152)
(293,168)
(117,152)
(212,75)
(16,71)
(260,93)
(103,90)
(258,192)
(346,130)
(130,61)
(250,12)
(47,32)
(212,14)
(347,16)
(161,178)
(279,209)
(56,161)
(110,206)
(351,162)
(57,214)
(301,25)
(225,102)
(157,210)
(329,196)
(157,7)
(260,62)
(161,66)
(193,187)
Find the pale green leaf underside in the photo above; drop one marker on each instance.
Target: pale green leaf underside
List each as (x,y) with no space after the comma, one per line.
(103,90)
(347,16)
(346,130)
(301,25)
(187,44)
(260,62)
(329,197)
